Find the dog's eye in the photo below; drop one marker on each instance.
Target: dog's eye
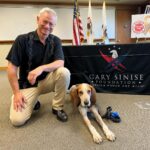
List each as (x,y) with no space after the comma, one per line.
(80,93)
(88,91)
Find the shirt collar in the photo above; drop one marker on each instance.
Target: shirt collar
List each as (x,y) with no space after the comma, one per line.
(36,37)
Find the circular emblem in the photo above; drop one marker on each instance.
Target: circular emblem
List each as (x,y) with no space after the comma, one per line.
(138,27)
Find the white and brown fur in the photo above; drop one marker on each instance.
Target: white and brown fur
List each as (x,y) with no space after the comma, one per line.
(83,96)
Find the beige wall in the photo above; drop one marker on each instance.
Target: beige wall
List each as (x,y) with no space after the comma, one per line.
(4,48)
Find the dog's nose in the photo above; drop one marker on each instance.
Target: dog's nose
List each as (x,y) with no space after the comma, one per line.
(86,103)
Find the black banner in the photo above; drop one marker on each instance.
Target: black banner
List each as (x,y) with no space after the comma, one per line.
(121,68)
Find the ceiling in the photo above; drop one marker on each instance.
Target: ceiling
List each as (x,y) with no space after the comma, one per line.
(80,1)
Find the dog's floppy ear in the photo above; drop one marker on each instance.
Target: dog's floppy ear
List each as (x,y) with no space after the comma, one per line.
(93,95)
(74,96)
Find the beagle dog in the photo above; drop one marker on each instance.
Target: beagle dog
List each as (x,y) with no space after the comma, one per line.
(83,96)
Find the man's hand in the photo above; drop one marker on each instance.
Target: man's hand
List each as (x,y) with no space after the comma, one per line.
(19,101)
(34,74)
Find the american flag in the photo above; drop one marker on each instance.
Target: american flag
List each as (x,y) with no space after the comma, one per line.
(78,35)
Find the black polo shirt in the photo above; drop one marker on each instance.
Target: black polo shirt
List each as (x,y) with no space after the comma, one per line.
(28,52)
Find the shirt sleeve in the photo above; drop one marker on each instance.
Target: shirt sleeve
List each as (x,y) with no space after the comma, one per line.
(16,52)
(58,51)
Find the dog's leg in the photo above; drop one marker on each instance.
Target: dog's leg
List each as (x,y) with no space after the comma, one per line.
(96,136)
(109,134)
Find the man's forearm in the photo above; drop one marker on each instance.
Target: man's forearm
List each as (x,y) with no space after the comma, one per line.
(13,79)
(53,66)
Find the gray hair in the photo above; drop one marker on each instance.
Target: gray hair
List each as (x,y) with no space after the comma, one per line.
(49,10)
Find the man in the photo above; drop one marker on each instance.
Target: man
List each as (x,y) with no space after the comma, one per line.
(40,60)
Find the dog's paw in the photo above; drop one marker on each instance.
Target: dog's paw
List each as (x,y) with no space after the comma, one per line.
(110,136)
(97,138)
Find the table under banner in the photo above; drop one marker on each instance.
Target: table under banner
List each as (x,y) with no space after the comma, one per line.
(119,68)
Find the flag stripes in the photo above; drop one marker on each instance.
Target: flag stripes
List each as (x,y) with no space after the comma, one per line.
(78,34)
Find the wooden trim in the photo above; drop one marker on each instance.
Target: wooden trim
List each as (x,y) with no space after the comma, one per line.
(63,41)
(68,3)
(37,3)
(3,68)
(95,40)
(12,41)
(70,40)
(7,42)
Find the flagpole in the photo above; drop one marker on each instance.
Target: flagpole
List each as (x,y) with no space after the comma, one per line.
(89,25)
(105,39)
(104,15)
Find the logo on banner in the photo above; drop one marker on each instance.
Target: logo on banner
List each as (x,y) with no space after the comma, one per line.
(114,60)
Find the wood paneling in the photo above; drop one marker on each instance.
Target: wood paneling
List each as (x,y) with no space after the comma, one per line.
(123,26)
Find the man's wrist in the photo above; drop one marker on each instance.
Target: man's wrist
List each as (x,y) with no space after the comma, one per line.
(16,91)
(45,68)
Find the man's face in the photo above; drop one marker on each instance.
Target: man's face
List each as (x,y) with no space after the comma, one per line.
(46,22)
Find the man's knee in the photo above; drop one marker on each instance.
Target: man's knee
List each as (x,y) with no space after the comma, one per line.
(18,121)
(64,72)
